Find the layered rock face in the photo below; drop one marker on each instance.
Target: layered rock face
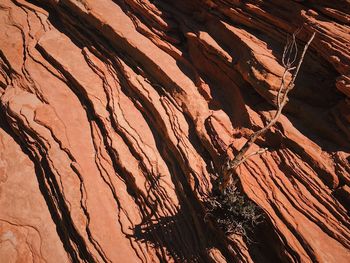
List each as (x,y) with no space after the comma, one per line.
(117,116)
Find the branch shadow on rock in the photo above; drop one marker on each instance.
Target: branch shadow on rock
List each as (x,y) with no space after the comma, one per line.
(172,237)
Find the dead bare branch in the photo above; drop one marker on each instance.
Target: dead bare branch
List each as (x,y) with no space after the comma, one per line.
(288,59)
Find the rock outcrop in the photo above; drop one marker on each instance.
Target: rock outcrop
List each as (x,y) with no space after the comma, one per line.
(116,117)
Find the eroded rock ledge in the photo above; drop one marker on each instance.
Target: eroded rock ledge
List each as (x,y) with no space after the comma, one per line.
(116,115)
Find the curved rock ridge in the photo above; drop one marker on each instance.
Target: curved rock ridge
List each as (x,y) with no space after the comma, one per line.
(116,118)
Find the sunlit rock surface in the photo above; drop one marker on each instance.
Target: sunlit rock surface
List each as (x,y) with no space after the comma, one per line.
(116,117)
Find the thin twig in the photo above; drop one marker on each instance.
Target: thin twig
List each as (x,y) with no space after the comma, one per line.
(289,57)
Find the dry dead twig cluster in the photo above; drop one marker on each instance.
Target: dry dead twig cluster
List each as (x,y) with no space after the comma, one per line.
(288,61)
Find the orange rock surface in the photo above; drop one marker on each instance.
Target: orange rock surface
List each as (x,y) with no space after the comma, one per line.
(117,115)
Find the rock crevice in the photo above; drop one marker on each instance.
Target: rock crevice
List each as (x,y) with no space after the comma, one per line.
(116,118)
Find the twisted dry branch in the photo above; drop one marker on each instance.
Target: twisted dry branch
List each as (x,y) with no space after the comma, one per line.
(288,60)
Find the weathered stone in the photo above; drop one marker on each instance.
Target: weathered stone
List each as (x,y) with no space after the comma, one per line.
(116,116)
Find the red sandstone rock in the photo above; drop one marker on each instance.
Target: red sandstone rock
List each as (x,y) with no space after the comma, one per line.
(116,116)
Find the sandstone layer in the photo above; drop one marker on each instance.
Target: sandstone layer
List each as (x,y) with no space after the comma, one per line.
(116,118)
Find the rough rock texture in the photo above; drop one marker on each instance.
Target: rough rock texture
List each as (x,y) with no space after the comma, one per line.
(117,115)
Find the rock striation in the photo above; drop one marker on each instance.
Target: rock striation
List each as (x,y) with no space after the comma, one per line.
(116,117)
